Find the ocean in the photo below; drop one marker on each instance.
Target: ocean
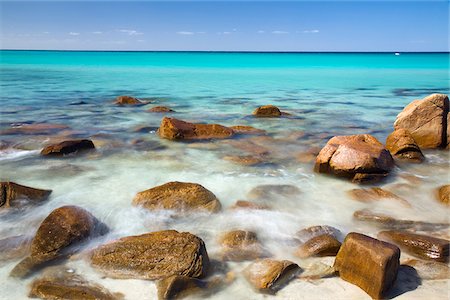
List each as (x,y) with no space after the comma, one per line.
(327,94)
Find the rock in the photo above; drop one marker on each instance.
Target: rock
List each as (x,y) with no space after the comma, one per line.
(269,276)
(35,129)
(419,245)
(317,271)
(178,196)
(243,204)
(444,194)
(402,146)
(429,270)
(269,111)
(376,194)
(16,195)
(250,146)
(58,236)
(426,120)
(154,255)
(240,245)
(361,158)
(309,233)
(243,129)
(69,287)
(273,191)
(245,160)
(68,147)
(127,100)
(160,109)
(368,263)
(322,245)
(14,247)
(174,129)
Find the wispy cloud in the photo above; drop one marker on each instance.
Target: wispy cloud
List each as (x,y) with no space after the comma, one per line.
(280,32)
(185,32)
(74,33)
(311,31)
(130,32)
(97,32)
(260,31)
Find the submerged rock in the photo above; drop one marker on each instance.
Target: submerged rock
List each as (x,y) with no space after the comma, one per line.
(16,195)
(269,276)
(244,129)
(160,109)
(419,245)
(269,111)
(429,270)
(322,245)
(273,191)
(402,146)
(317,271)
(426,120)
(375,194)
(243,204)
(35,129)
(68,147)
(178,196)
(240,245)
(444,194)
(174,129)
(152,256)
(245,160)
(309,233)
(15,247)
(368,263)
(361,158)
(58,236)
(127,100)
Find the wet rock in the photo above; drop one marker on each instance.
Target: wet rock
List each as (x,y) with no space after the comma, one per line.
(426,120)
(35,129)
(273,191)
(269,276)
(68,147)
(309,233)
(322,245)
(251,147)
(240,245)
(368,263)
(174,129)
(444,194)
(361,158)
(429,270)
(160,109)
(58,236)
(376,194)
(317,271)
(243,204)
(419,245)
(15,247)
(127,100)
(269,111)
(402,146)
(16,195)
(243,129)
(152,256)
(245,160)
(178,196)
(81,102)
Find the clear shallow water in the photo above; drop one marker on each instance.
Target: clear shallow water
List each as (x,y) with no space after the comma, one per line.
(328,94)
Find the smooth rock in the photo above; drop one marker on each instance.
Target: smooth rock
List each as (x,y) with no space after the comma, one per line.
(160,109)
(309,233)
(402,146)
(154,255)
(322,245)
(245,160)
(240,245)
(368,263)
(244,129)
(127,100)
(273,191)
(243,204)
(376,194)
(444,194)
(317,271)
(68,147)
(429,270)
(16,195)
(174,129)
(178,196)
(268,111)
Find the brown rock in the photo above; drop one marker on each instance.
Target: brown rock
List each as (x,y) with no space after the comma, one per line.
(152,256)
(243,204)
(16,195)
(127,100)
(419,245)
(430,270)
(402,146)
(160,109)
(267,111)
(174,129)
(245,160)
(273,191)
(178,196)
(322,245)
(269,276)
(243,129)
(368,263)
(375,194)
(35,129)
(309,233)
(58,236)
(361,158)
(426,120)
(68,147)
(444,194)
(240,245)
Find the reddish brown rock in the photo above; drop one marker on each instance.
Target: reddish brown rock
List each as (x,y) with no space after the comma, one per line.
(429,270)
(268,111)
(368,263)
(243,204)
(160,109)
(243,129)
(419,245)
(58,236)
(16,195)
(426,120)
(127,100)
(361,158)
(174,129)
(240,245)
(178,196)
(444,194)
(269,276)
(322,245)
(152,256)
(402,146)
(376,194)
(68,147)
(245,160)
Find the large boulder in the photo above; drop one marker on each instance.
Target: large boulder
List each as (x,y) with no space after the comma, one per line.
(16,195)
(127,100)
(174,129)
(68,147)
(178,196)
(402,146)
(240,245)
(419,245)
(153,256)
(426,120)
(267,111)
(58,236)
(368,263)
(444,194)
(269,276)
(361,158)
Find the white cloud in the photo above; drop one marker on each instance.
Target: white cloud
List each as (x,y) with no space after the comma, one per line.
(185,32)
(226,32)
(261,31)
(311,31)
(200,32)
(46,32)
(74,33)
(280,32)
(97,32)
(130,32)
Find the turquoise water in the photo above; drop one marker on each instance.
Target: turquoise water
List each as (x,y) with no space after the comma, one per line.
(327,94)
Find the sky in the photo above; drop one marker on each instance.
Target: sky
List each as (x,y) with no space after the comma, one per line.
(359,25)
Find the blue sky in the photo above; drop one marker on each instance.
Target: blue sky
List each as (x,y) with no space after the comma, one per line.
(227,26)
